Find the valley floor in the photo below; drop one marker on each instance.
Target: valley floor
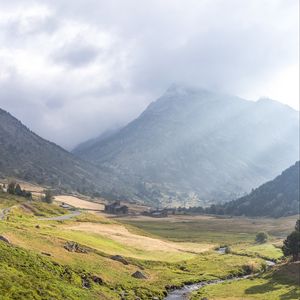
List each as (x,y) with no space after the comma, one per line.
(92,256)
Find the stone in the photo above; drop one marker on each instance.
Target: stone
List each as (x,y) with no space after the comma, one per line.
(97,279)
(4,239)
(120,259)
(139,275)
(74,247)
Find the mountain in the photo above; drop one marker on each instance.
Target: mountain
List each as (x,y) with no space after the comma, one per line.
(25,155)
(90,143)
(194,146)
(276,198)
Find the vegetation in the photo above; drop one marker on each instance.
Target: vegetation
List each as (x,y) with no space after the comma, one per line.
(14,188)
(276,198)
(280,283)
(48,198)
(291,245)
(40,245)
(261,237)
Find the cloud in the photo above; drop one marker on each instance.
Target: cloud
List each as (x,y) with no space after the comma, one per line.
(76,55)
(76,69)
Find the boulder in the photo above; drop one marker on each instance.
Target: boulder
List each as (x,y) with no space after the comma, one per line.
(4,239)
(139,275)
(97,279)
(74,247)
(120,259)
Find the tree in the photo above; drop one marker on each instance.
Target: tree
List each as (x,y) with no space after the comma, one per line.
(291,245)
(297,226)
(11,187)
(48,196)
(261,237)
(18,190)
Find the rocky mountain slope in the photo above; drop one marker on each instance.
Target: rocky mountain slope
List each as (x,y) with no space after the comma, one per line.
(25,155)
(196,146)
(276,198)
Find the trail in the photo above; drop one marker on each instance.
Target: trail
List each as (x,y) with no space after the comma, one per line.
(61,218)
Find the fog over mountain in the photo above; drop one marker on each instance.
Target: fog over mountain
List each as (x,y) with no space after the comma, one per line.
(198,146)
(73,71)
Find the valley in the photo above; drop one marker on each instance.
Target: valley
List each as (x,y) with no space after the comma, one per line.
(167,251)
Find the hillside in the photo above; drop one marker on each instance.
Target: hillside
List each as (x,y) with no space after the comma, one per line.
(25,155)
(193,146)
(39,262)
(276,198)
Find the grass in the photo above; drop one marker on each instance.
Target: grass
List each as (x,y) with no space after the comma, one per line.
(21,264)
(280,283)
(229,231)
(25,275)
(265,250)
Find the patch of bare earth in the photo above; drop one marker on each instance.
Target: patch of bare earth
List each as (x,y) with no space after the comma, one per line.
(122,235)
(79,203)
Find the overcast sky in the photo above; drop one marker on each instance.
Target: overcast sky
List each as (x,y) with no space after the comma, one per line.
(70,70)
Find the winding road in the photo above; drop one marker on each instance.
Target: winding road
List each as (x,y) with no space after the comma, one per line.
(62,218)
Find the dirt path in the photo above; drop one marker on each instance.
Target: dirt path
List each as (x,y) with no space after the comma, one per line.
(122,235)
(62,218)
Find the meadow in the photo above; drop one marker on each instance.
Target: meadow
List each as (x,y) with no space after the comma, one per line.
(169,252)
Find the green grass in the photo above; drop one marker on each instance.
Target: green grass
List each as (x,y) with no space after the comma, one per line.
(266,250)
(25,275)
(281,283)
(21,263)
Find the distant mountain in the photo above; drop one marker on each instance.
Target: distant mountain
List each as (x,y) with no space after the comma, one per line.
(276,198)
(82,147)
(193,146)
(25,155)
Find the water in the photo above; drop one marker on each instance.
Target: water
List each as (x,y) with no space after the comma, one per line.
(184,292)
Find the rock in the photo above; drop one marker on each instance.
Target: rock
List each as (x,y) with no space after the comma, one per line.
(74,247)
(97,279)
(4,239)
(45,253)
(37,226)
(139,275)
(155,298)
(85,282)
(120,259)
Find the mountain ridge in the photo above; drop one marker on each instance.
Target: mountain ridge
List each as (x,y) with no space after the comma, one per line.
(276,198)
(187,127)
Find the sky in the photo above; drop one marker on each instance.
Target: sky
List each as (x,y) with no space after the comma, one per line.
(70,70)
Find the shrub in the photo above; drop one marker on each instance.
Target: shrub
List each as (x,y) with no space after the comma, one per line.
(261,237)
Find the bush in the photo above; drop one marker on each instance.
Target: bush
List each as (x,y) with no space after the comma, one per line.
(228,250)
(261,237)
(48,198)
(291,245)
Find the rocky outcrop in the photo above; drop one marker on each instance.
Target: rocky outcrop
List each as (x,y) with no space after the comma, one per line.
(4,239)
(139,275)
(74,247)
(120,259)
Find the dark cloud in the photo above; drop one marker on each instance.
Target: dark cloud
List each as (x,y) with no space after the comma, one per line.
(76,55)
(88,65)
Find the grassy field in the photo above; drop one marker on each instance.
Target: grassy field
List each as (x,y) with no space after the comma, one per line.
(280,283)
(172,251)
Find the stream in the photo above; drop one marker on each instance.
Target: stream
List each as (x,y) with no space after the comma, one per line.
(183,293)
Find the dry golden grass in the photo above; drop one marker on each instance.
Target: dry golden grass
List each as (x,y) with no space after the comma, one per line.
(121,234)
(79,203)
